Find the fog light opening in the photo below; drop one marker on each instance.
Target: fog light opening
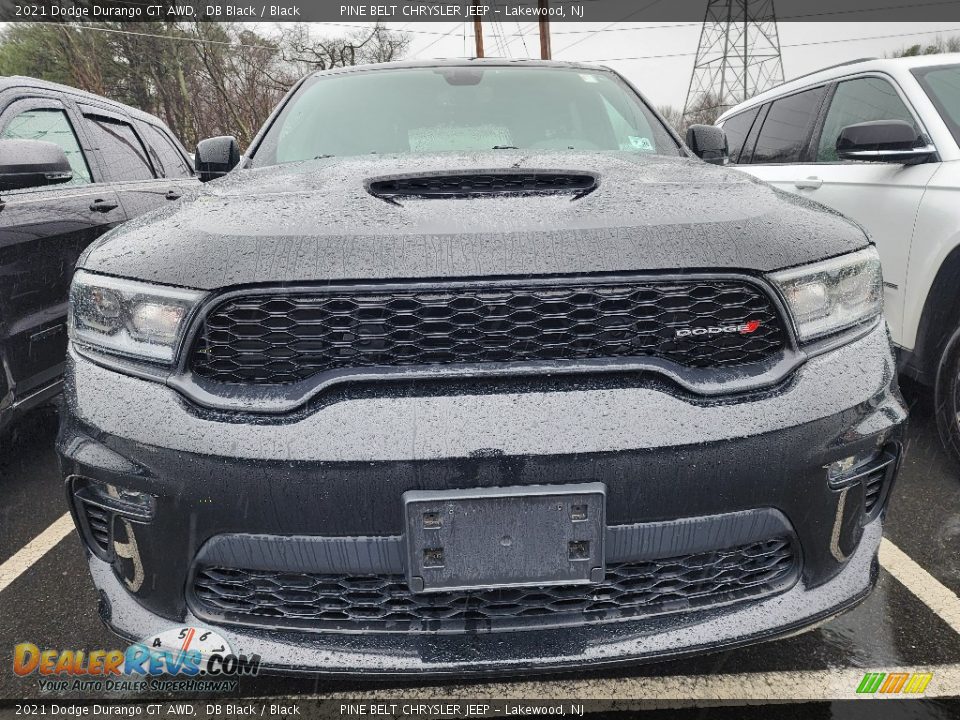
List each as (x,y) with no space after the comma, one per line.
(99,505)
(874,470)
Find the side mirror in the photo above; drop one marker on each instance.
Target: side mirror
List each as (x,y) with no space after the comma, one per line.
(215,157)
(709,143)
(32,163)
(890,141)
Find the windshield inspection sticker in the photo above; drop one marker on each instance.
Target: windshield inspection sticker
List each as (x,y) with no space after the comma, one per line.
(640,143)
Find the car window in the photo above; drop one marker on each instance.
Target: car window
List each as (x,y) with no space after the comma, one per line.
(736,129)
(856,101)
(942,85)
(462,109)
(51,126)
(165,155)
(631,134)
(124,156)
(787,127)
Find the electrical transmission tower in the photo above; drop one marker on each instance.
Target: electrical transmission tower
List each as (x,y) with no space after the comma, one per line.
(738,57)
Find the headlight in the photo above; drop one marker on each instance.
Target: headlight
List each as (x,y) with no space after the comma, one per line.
(128,317)
(833,295)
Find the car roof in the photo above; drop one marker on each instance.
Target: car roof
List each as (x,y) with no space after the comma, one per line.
(887,65)
(20,81)
(463,62)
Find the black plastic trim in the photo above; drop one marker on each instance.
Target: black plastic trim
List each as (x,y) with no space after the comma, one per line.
(385,553)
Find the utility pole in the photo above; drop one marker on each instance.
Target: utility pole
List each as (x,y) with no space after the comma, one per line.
(544,6)
(478,36)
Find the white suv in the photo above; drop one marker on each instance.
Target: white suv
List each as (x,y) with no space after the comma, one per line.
(879,141)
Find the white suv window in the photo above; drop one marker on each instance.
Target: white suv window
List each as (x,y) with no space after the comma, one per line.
(942,85)
(856,101)
(787,128)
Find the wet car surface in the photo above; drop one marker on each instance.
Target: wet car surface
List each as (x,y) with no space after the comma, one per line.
(53,603)
(440,406)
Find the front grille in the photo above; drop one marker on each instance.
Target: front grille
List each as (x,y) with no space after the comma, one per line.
(384,602)
(277,338)
(444,185)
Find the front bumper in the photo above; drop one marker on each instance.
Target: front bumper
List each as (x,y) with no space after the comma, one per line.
(669,636)
(338,470)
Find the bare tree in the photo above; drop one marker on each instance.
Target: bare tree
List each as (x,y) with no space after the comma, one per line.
(705,112)
(203,79)
(370,46)
(937,47)
(674,116)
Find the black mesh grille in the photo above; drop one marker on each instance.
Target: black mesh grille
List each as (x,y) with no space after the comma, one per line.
(384,602)
(501,183)
(282,338)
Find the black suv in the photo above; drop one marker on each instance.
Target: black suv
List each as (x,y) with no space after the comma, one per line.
(72,166)
(472,366)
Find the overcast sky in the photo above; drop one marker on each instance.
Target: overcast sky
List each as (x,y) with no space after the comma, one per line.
(663,80)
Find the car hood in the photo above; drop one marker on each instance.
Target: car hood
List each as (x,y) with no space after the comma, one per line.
(316,221)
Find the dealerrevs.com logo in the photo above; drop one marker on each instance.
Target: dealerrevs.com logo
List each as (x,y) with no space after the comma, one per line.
(743,329)
(195,658)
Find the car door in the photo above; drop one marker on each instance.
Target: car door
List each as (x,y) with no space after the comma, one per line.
(883,197)
(125,162)
(42,233)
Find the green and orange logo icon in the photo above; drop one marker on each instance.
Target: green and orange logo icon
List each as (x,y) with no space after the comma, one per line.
(894,683)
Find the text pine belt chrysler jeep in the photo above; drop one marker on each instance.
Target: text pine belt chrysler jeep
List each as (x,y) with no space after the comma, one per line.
(472,366)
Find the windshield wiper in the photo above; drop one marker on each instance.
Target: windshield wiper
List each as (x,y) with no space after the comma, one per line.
(505,147)
(322,157)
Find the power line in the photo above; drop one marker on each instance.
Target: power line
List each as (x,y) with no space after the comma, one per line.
(793,45)
(182,38)
(424,49)
(607,27)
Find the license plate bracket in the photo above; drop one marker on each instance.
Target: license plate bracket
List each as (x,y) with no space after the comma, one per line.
(520,536)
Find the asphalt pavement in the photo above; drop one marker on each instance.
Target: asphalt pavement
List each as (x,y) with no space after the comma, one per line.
(911,623)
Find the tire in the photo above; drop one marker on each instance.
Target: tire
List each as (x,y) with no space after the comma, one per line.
(947,396)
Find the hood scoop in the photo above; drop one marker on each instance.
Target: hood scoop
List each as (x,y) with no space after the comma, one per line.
(483,183)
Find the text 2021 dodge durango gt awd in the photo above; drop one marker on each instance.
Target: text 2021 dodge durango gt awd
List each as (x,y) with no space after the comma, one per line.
(473,366)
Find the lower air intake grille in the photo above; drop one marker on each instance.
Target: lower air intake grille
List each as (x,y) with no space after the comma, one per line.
(277,337)
(98,524)
(383,602)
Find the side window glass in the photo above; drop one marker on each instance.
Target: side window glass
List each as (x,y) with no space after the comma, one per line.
(51,126)
(124,157)
(746,154)
(164,153)
(787,126)
(736,129)
(857,101)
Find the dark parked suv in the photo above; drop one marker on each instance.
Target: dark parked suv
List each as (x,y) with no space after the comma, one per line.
(72,166)
(472,366)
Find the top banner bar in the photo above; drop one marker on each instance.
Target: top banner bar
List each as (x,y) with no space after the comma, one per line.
(632,11)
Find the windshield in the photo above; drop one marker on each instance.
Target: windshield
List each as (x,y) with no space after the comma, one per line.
(942,85)
(462,109)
